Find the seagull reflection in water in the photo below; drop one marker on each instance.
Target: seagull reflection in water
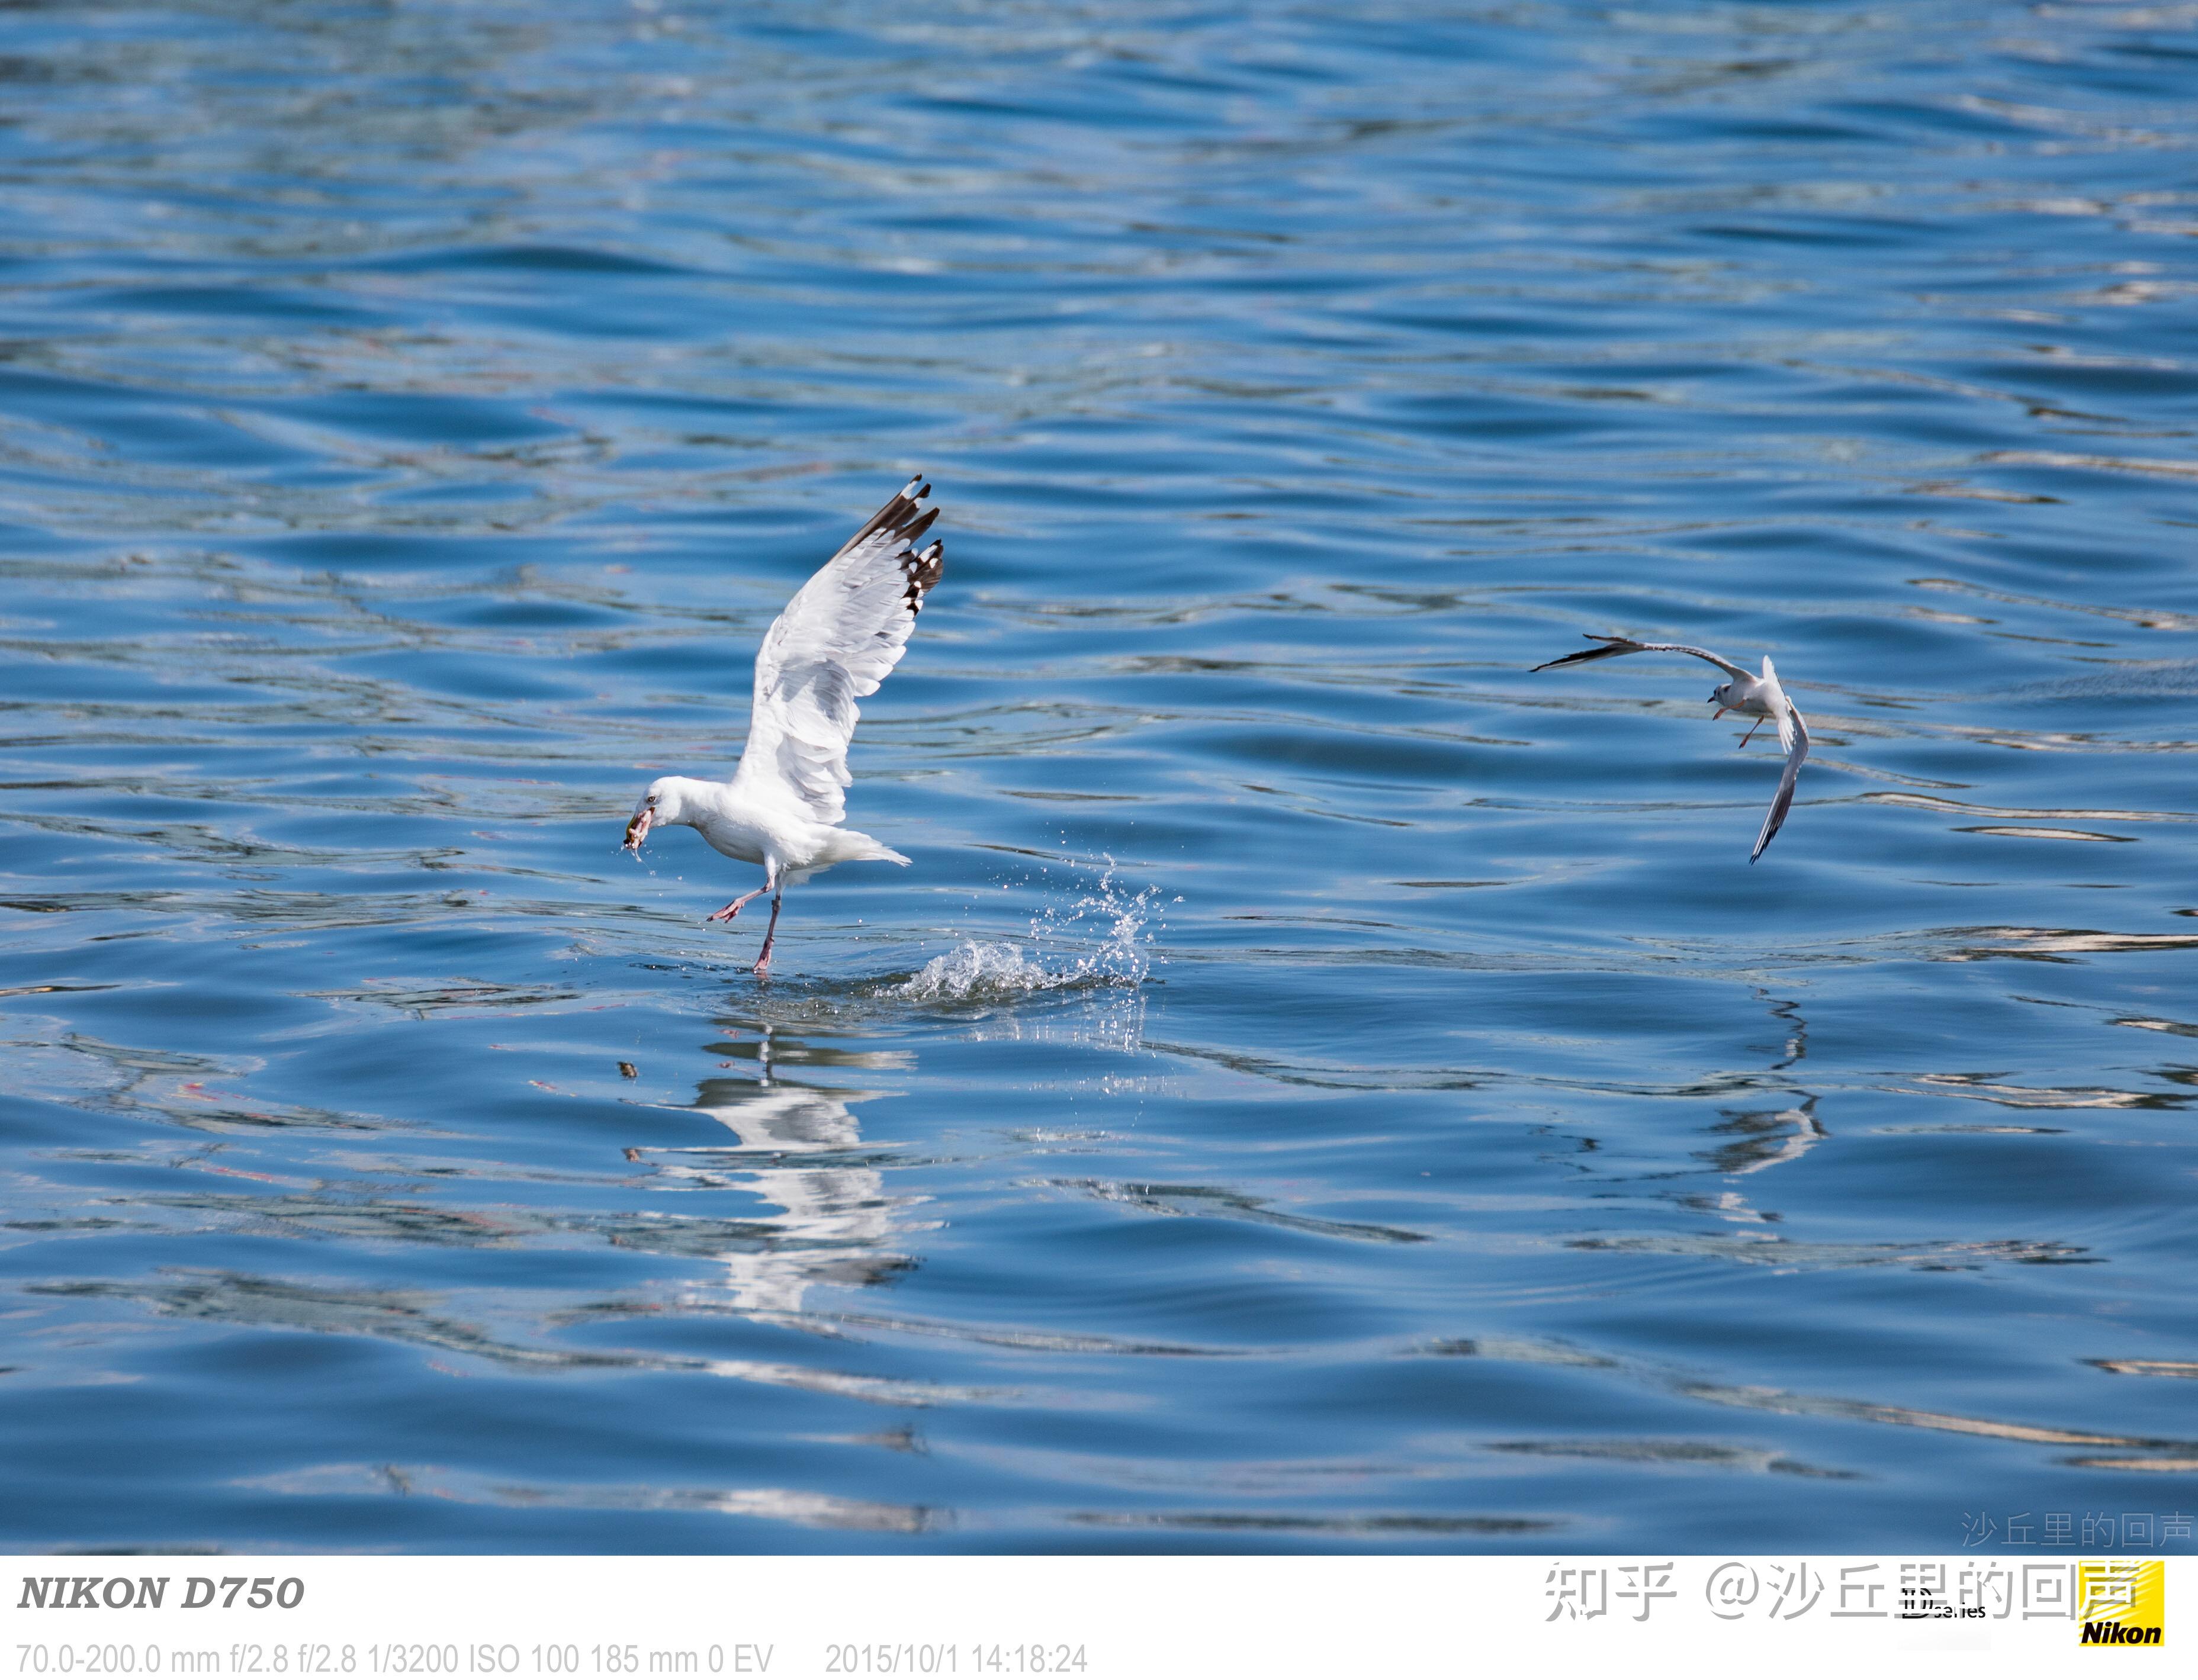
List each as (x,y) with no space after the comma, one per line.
(800,1149)
(1755,1140)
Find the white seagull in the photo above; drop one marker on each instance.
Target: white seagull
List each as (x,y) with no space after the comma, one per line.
(1757,697)
(842,632)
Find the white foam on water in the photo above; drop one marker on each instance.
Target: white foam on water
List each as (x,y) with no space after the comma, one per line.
(1103,940)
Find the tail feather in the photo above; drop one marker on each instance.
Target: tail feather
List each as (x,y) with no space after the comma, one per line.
(850,846)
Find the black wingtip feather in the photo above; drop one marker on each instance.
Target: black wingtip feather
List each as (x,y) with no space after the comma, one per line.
(922,571)
(906,518)
(1611,645)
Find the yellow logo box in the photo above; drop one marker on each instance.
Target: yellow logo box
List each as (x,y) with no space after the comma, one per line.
(2122,1604)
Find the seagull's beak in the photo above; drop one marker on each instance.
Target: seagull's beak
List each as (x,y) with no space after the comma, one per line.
(637,830)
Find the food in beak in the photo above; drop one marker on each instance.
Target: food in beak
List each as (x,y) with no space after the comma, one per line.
(637,830)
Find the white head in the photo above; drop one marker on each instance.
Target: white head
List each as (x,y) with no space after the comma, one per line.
(661,805)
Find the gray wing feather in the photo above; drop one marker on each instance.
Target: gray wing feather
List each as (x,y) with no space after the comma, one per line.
(1796,742)
(844,630)
(1614,645)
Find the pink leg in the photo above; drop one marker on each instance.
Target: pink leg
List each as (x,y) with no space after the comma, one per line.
(763,961)
(1752,729)
(737,905)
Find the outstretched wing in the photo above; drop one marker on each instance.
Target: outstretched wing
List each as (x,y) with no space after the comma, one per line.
(842,632)
(1613,646)
(1789,720)
(1794,736)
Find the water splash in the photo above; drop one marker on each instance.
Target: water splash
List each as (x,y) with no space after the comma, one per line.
(1103,940)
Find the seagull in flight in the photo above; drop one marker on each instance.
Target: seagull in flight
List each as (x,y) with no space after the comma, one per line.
(1751,696)
(835,642)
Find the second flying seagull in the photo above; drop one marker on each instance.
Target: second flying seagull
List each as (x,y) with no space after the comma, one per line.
(1751,696)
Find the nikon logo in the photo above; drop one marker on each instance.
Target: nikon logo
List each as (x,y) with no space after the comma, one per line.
(2123,1603)
(2119,1633)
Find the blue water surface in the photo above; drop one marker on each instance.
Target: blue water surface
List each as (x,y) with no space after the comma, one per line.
(1319,1084)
